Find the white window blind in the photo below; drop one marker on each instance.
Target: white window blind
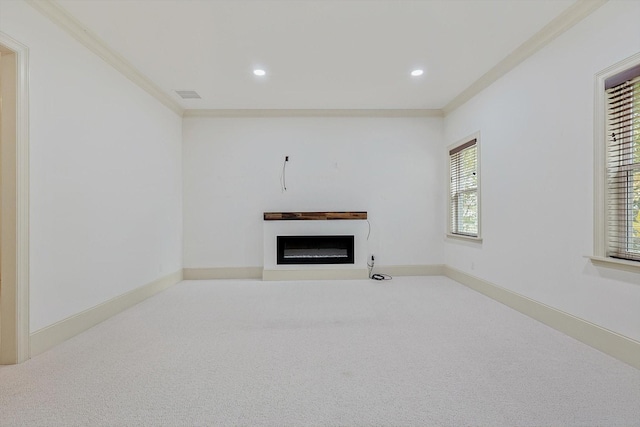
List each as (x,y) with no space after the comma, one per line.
(623,165)
(463,161)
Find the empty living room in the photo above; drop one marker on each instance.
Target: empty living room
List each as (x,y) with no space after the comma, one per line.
(319,213)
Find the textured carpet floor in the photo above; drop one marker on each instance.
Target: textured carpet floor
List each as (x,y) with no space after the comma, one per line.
(421,351)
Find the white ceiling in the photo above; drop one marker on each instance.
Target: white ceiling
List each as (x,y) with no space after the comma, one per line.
(318,54)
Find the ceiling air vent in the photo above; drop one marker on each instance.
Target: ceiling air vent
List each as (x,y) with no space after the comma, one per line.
(188,94)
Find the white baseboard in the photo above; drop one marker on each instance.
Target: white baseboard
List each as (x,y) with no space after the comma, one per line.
(309,274)
(391,270)
(609,342)
(411,270)
(222,273)
(622,348)
(48,337)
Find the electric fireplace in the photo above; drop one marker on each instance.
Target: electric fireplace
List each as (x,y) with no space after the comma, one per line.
(315,250)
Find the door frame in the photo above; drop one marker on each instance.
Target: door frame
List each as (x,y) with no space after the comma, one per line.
(14,324)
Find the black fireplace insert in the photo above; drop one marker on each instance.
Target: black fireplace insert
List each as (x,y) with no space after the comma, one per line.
(315,250)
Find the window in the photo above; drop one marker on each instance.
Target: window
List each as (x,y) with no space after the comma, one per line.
(616,237)
(464,196)
(623,165)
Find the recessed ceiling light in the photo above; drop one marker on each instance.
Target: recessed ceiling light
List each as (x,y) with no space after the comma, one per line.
(416,73)
(259,72)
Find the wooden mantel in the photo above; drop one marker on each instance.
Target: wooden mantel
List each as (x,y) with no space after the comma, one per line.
(313,216)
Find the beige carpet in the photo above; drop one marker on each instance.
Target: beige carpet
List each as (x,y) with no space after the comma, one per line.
(415,351)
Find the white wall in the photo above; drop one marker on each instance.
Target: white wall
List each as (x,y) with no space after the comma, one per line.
(536,127)
(390,167)
(105,175)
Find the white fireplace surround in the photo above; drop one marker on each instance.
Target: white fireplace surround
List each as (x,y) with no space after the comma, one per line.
(274,271)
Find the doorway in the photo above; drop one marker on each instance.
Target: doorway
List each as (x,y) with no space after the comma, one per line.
(14,195)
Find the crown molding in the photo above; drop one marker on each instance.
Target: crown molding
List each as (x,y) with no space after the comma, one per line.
(257,113)
(58,15)
(567,19)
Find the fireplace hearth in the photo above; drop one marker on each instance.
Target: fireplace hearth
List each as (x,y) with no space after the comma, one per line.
(304,245)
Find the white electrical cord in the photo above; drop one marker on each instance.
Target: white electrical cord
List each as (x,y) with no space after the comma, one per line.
(283,177)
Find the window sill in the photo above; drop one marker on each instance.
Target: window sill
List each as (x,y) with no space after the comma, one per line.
(463,237)
(618,264)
